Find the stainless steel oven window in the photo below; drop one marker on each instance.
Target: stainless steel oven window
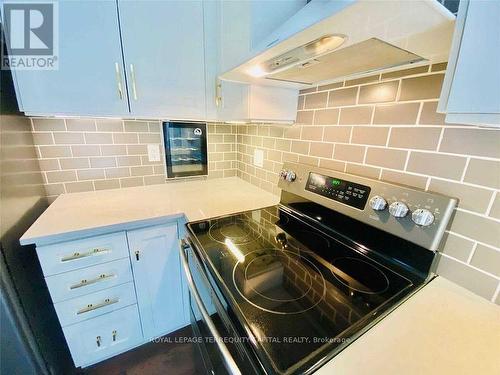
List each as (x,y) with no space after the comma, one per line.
(185,145)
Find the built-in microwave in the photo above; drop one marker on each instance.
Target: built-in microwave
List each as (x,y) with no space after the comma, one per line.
(185,148)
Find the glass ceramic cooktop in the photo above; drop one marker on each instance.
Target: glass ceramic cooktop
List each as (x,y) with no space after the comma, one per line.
(299,292)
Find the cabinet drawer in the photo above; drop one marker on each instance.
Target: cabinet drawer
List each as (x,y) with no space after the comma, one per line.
(72,255)
(88,280)
(98,338)
(91,305)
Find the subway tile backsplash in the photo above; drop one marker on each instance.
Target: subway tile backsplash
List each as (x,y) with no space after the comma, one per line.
(386,127)
(383,126)
(78,155)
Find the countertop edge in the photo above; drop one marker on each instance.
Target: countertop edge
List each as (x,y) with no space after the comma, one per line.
(194,200)
(100,230)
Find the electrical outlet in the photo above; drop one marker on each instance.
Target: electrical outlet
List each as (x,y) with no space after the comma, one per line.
(153,152)
(258,158)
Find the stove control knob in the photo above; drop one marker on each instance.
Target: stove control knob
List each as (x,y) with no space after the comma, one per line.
(398,209)
(378,203)
(291,176)
(422,217)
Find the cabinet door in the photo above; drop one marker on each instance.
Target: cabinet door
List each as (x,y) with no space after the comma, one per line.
(471,89)
(164,57)
(243,102)
(156,265)
(90,66)
(99,338)
(277,104)
(243,25)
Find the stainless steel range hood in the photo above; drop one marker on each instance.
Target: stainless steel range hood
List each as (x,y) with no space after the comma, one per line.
(331,39)
(368,56)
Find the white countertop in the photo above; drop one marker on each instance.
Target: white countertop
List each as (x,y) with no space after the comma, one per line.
(197,200)
(443,329)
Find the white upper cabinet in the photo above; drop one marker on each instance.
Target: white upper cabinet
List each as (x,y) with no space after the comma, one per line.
(163,48)
(158,59)
(471,90)
(240,102)
(122,58)
(243,24)
(90,78)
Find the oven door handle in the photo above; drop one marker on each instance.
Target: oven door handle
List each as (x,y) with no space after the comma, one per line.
(228,359)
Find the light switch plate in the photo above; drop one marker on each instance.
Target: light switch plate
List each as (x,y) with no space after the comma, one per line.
(258,158)
(153,152)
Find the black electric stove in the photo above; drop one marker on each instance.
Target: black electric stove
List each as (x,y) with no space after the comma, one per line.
(299,281)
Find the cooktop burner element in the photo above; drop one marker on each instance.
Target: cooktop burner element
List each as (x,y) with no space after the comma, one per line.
(279,282)
(359,275)
(236,230)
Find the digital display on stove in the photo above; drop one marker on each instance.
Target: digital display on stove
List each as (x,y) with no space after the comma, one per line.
(350,193)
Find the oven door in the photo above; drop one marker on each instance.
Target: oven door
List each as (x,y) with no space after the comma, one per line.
(222,349)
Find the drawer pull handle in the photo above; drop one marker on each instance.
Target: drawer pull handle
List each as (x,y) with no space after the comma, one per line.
(134,88)
(86,282)
(78,255)
(114,335)
(98,341)
(92,307)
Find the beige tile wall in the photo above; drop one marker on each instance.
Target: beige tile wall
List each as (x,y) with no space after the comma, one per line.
(93,154)
(382,126)
(386,127)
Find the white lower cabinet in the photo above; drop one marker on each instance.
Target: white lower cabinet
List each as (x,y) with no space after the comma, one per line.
(91,305)
(72,255)
(84,281)
(96,339)
(115,291)
(157,274)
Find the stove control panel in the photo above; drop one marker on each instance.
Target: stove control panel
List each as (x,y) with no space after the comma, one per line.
(347,192)
(422,217)
(378,203)
(288,175)
(418,216)
(398,209)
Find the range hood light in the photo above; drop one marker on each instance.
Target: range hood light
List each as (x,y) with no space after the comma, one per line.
(325,43)
(299,56)
(257,71)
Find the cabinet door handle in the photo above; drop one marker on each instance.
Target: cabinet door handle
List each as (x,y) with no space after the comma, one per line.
(137,252)
(119,81)
(98,341)
(86,282)
(218,93)
(92,307)
(134,88)
(114,333)
(78,255)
